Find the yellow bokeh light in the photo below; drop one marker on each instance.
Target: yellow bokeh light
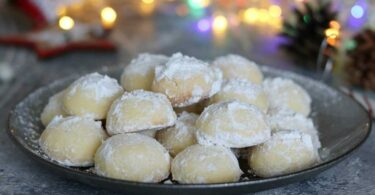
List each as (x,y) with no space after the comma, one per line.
(148,1)
(250,15)
(220,24)
(66,23)
(332,32)
(331,41)
(334,24)
(108,16)
(275,11)
(263,15)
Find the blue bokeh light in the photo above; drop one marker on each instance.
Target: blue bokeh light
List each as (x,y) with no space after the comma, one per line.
(357,11)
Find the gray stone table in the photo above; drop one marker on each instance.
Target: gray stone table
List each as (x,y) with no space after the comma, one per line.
(21,175)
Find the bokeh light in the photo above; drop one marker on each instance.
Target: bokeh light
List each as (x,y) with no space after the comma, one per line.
(332,32)
(203,25)
(198,4)
(220,24)
(66,23)
(275,11)
(148,1)
(334,24)
(108,16)
(357,11)
(250,15)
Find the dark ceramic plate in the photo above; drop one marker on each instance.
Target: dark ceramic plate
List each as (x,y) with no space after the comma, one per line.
(343,125)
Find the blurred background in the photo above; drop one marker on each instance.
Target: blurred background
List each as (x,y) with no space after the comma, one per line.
(49,39)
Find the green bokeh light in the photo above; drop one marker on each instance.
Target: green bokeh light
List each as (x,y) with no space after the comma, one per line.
(306,18)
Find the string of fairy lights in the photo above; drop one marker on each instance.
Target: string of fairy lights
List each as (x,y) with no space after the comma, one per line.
(218,16)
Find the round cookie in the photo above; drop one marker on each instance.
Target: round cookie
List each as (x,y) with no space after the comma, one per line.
(284,119)
(91,96)
(237,67)
(181,135)
(133,157)
(286,94)
(232,124)
(140,73)
(73,140)
(285,152)
(186,80)
(205,164)
(140,110)
(53,108)
(243,91)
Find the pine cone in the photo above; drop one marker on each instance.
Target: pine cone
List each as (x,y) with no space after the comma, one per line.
(361,66)
(306,35)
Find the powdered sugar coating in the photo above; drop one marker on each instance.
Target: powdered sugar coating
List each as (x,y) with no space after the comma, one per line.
(232,124)
(180,66)
(145,62)
(103,86)
(72,141)
(53,108)
(284,119)
(237,67)
(186,80)
(139,74)
(181,135)
(205,164)
(243,91)
(284,93)
(133,157)
(285,152)
(140,110)
(91,95)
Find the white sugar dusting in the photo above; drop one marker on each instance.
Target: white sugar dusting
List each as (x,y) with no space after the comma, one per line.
(282,90)
(233,60)
(258,130)
(284,119)
(102,86)
(240,86)
(115,123)
(144,63)
(181,66)
(185,124)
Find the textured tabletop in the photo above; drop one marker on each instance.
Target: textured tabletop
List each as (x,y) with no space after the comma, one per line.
(22,175)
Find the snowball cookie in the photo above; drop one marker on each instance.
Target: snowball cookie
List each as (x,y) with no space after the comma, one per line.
(232,124)
(133,157)
(238,67)
(285,152)
(285,93)
(53,108)
(91,96)
(186,80)
(139,74)
(73,140)
(140,110)
(243,91)
(284,119)
(205,164)
(181,135)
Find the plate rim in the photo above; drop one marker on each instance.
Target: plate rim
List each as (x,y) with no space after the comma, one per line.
(310,170)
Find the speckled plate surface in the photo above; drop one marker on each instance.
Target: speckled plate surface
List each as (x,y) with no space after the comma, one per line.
(342,123)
